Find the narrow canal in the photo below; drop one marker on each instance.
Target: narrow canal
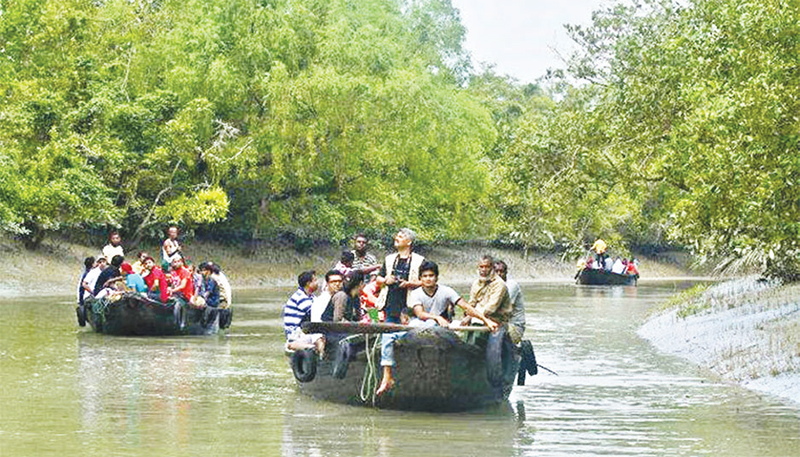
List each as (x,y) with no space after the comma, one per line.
(67,391)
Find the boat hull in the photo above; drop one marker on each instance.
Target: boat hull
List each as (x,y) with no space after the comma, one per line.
(605,278)
(134,314)
(434,371)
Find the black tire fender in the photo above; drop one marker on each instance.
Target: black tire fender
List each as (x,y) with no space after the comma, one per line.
(521,375)
(500,367)
(528,358)
(341,360)
(180,315)
(81,311)
(225,317)
(304,365)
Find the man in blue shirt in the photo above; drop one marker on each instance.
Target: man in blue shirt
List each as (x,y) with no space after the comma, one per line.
(298,310)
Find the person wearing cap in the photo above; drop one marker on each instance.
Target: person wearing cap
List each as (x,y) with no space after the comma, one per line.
(133,280)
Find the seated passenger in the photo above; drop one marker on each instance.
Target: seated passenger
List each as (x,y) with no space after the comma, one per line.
(138,266)
(618,267)
(156,280)
(133,281)
(369,295)
(90,281)
(109,274)
(225,291)
(632,268)
(345,264)
(346,304)
(182,280)
(322,309)
(297,310)
(209,288)
(431,304)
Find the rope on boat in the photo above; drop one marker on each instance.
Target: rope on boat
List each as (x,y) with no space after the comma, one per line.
(370,381)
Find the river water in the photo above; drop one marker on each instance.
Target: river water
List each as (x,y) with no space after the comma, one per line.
(67,391)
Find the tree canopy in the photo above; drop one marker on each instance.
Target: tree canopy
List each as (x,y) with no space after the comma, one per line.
(674,125)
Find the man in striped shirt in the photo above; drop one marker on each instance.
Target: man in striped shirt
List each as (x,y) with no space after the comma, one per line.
(298,310)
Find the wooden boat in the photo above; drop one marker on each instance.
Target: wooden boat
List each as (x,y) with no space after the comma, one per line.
(435,369)
(588,276)
(134,314)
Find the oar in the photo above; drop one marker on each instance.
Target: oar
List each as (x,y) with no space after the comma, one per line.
(356,327)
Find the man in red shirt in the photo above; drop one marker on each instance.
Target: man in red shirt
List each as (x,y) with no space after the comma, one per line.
(156,280)
(183,287)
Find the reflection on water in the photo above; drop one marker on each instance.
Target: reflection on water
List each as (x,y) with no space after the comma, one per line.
(68,391)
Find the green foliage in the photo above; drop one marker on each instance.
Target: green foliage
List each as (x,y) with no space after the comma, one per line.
(309,117)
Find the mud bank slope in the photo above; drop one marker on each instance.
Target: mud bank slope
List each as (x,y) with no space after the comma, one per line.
(745,330)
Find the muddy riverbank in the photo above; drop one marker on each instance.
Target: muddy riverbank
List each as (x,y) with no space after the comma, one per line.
(745,330)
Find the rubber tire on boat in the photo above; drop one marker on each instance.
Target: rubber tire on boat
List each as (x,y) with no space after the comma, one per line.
(500,358)
(341,360)
(225,317)
(81,311)
(180,316)
(304,365)
(528,358)
(521,374)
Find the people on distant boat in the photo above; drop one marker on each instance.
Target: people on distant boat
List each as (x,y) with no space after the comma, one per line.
(182,280)
(170,248)
(90,281)
(632,268)
(322,309)
(432,304)
(197,278)
(114,246)
(609,263)
(297,310)
(157,284)
(363,260)
(345,264)
(618,267)
(209,289)
(138,266)
(399,274)
(346,304)
(133,281)
(225,291)
(489,294)
(516,329)
(88,265)
(109,274)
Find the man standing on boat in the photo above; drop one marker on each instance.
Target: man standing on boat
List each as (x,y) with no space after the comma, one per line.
(489,294)
(363,260)
(298,310)
(516,329)
(114,247)
(399,275)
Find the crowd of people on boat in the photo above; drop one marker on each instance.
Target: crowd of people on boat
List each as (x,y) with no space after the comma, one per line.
(403,289)
(109,275)
(598,259)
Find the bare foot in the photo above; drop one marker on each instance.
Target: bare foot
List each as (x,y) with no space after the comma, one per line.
(384,387)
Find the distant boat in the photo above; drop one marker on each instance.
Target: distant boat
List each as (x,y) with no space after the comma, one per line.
(598,277)
(135,314)
(435,370)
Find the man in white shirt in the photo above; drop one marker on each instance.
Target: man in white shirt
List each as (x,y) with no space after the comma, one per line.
(91,277)
(114,246)
(333,284)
